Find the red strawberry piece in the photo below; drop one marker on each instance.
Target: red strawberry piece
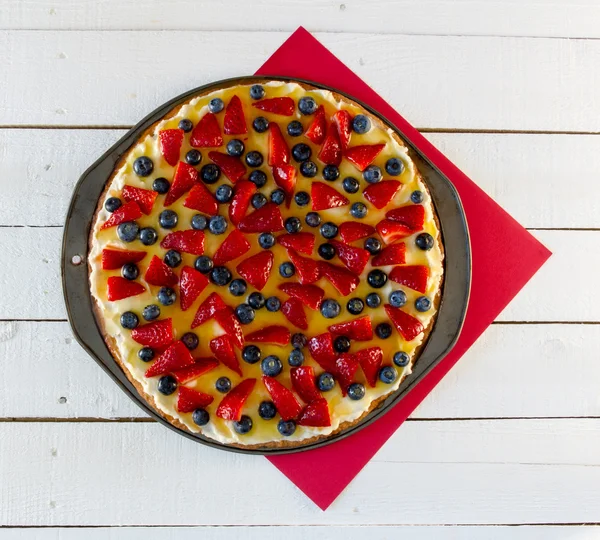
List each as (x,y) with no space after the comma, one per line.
(294,312)
(189,400)
(359,329)
(321,349)
(118,288)
(303,242)
(286,403)
(128,212)
(308,270)
(207,133)
(208,308)
(303,382)
(285,178)
(201,199)
(394,254)
(318,128)
(352,230)
(192,283)
(276,334)
(229,322)
(362,156)
(414,276)
(346,366)
(184,179)
(315,414)
(232,167)
(331,151)
(324,197)
(381,193)
(265,219)
(170,141)
(242,194)
(407,325)
(390,231)
(177,356)
(231,405)
(370,362)
(354,258)
(199,367)
(159,274)
(222,348)
(144,197)
(235,121)
(343,280)
(115,258)
(234,246)
(279,153)
(309,295)
(411,216)
(189,241)
(154,334)
(256,269)
(284,106)
(343,119)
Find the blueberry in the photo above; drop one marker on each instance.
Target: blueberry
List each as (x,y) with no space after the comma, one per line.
(308,169)
(130,271)
(258,200)
(373,246)
(186,125)
(220,275)
(307,105)
(210,173)
(394,166)
(146,354)
(424,241)
(238,287)
(299,341)
(416,196)
(151,312)
(148,236)
(271,366)
(199,222)
(350,184)
(215,105)
(256,300)
(331,173)
(267,410)
(143,166)
(223,385)
(325,382)
(326,251)
(330,308)
(112,204)
(193,157)
(217,225)
(203,264)
(295,128)
(266,240)
(383,330)
(302,198)
(286,269)
(387,374)
(200,417)
(161,185)
(401,359)
(258,178)
(377,278)
(190,340)
(167,385)
(372,174)
(129,320)
(296,358)
(168,219)
(356,391)
(358,210)
(301,152)
(166,296)
(397,298)
(224,193)
(235,147)
(286,427)
(244,313)
(278,196)
(423,304)
(312,219)
(260,124)
(273,304)
(257,91)
(293,225)
(361,124)
(251,354)
(243,425)
(254,158)
(172,258)
(128,231)
(373,300)
(329,230)
(355,306)
(341,344)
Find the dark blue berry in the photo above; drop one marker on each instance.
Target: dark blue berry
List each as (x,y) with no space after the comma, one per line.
(190,340)
(341,344)
(287,269)
(167,385)
(210,173)
(326,251)
(128,231)
(254,158)
(215,105)
(257,91)
(200,417)
(377,278)
(394,166)
(331,173)
(356,391)
(299,341)
(271,366)
(258,200)
(355,306)
(146,354)
(151,312)
(313,219)
(361,124)
(266,240)
(238,287)
(143,166)
(330,308)
(286,427)
(112,204)
(301,152)
(401,359)
(387,374)
(193,157)
(260,124)
(273,304)
(325,382)
(235,147)
(251,354)
(302,198)
(244,313)
(217,225)
(199,222)
(203,264)
(308,169)
(256,300)
(373,300)
(130,271)
(161,185)
(267,410)
(358,210)
(129,320)
(372,174)
(186,125)
(148,236)
(166,296)
(383,330)
(422,304)
(278,196)
(293,225)
(397,298)
(223,385)
(416,196)
(296,358)
(350,184)
(224,193)
(172,258)
(329,230)
(295,128)
(220,275)
(424,241)
(258,178)
(373,246)
(168,219)
(307,105)
(243,425)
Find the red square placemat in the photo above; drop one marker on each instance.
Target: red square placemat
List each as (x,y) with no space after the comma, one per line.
(503,252)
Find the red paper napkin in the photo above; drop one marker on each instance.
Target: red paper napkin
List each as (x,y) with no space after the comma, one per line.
(503,253)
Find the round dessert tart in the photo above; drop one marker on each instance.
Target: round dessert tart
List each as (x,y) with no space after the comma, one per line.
(266,264)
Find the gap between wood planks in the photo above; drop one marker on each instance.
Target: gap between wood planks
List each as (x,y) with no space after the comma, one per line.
(306,525)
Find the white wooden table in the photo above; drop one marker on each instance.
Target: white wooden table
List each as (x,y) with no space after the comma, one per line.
(508,89)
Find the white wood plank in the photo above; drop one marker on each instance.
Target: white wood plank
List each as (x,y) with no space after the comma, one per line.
(91,78)
(525,173)
(101,474)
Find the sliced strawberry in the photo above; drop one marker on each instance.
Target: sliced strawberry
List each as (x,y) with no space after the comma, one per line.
(284,106)
(352,230)
(232,167)
(315,414)
(414,276)
(177,356)
(189,400)
(411,216)
(318,128)
(234,246)
(235,121)
(188,241)
(381,193)
(231,405)
(407,325)
(331,151)
(303,242)
(257,269)
(359,329)
(191,285)
(242,194)
(394,254)
(343,280)
(207,133)
(324,197)
(303,382)
(229,322)
(286,403)
(184,179)
(285,178)
(201,199)
(354,258)
(294,312)
(128,212)
(199,367)
(265,219)
(362,156)
(115,258)
(208,308)
(118,288)
(279,153)
(310,295)
(144,197)
(154,334)
(370,362)
(159,274)
(276,334)
(346,367)
(343,119)
(222,348)
(390,231)
(321,349)
(170,141)
(308,270)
